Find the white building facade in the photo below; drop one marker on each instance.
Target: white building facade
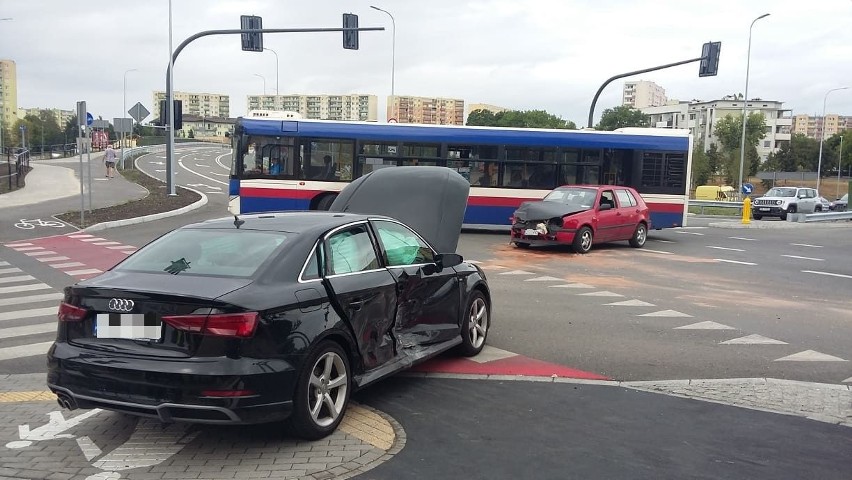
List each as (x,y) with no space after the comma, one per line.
(355,107)
(642,94)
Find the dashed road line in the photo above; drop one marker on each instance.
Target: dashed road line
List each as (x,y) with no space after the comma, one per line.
(690,233)
(660,240)
(839,275)
(571,285)
(544,279)
(516,272)
(602,293)
(806,245)
(734,261)
(804,258)
(648,250)
(744,239)
(726,248)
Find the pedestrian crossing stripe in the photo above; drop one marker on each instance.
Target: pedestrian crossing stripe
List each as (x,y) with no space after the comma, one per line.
(28,313)
(665,313)
(705,326)
(21,351)
(810,356)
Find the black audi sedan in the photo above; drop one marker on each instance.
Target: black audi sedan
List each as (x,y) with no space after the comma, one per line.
(277,316)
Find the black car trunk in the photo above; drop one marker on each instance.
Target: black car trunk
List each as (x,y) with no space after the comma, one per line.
(120,298)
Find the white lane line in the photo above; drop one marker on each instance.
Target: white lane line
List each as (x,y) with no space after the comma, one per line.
(30,298)
(83,272)
(93,239)
(180,162)
(602,293)
(661,241)
(753,340)
(690,233)
(27,330)
(10,270)
(27,249)
(39,254)
(733,261)
(810,356)
(648,250)
(839,275)
(21,351)
(19,278)
(571,285)
(806,245)
(68,265)
(106,243)
(13,245)
(29,313)
(121,247)
(544,279)
(665,313)
(52,259)
(705,326)
(631,303)
(224,175)
(219,162)
(804,258)
(24,288)
(516,272)
(726,248)
(80,235)
(744,239)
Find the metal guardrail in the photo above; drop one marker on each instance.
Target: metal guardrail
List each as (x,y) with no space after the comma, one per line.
(819,217)
(21,161)
(702,204)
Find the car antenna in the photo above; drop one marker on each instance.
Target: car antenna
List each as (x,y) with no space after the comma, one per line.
(238,222)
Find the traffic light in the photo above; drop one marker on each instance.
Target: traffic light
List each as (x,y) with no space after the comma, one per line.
(252,42)
(709,59)
(350,37)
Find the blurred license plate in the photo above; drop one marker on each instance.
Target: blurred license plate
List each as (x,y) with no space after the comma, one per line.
(147,326)
(763,209)
(531,232)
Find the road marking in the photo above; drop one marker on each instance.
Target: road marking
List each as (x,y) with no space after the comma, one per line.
(744,238)
(30,313)
(734,261)
(847,380)
(24,288)
(27,330)
(4,264)
(516,272)
(827,273)
(180,162)
(690,233)
(52,259)
(810,356)
(21,351)
(84,272)
(26,249)
(93,239)
(36,396)
(490,354)
(661,241)
(804,258)
(665,313)
(753,340)
(726,248)
(106,243)
(39,254)
(19,278)
(29,299)
(602,293)
(10,270)
(80,235)
(631,303)
(544,279)
(122,247)
(69,264)
(14,245)
(648,250)
(705,326)
(572,285)
(806,245)
(220,174)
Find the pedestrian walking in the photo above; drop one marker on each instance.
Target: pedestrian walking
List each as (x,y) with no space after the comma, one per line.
(109,161)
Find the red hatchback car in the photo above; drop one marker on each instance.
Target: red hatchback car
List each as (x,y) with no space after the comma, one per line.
(582,215)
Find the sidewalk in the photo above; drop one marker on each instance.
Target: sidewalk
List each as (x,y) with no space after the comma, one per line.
(43,183)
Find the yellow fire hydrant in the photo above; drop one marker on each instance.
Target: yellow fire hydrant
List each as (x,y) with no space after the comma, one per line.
(746,211)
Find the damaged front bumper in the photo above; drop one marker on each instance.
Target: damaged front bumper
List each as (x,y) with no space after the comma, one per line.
(541,233)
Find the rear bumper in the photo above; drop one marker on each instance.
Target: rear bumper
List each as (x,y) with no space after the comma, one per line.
(171,389)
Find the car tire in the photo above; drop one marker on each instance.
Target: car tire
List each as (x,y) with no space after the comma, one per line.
(640,235)
(324,382)
(477,320)
(325,202)
(583,240)
(758,217)
(522,245)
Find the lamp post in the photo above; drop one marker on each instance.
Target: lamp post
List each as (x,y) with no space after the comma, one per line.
(264,81)
(393,56)
(276,69)
(124,115)
(1,113)
(822,132)
(745,101)
(839,160)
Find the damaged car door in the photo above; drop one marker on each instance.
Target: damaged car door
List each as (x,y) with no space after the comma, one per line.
(428,296)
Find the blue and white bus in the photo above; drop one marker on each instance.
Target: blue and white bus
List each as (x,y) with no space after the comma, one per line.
(286,163)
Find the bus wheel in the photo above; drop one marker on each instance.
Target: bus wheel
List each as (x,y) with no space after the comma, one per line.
(326,201)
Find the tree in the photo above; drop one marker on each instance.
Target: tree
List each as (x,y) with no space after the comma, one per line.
(191,134)
(620,117)
(700,166)
(728,131)
(518,119)
(482,118)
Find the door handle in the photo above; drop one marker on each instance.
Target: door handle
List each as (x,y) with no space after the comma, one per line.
(356,304)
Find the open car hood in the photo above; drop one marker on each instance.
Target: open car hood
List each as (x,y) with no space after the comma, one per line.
(545,210)
(431,200)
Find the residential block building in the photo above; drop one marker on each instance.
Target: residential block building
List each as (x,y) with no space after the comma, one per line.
(354,107)
(642,94)
(62,116)
(199,104)
(700,118)
(205,127)
(8,94)
(830,124)
(426,110)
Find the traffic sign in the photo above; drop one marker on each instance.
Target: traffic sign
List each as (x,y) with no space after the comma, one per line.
(251,42)
(350,37)
(122,125)
(89,119)
(747,188)
(138,112)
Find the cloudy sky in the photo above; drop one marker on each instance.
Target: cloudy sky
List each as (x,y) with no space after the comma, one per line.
(521,54)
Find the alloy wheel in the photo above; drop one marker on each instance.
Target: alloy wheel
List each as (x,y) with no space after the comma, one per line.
(327,392)
(478,322)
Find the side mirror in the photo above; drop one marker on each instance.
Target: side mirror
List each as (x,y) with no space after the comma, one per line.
(445,260)
(605,206)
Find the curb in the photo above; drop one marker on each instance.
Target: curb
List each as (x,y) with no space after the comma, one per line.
(779,225)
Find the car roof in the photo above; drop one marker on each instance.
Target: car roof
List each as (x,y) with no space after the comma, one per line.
(311,222)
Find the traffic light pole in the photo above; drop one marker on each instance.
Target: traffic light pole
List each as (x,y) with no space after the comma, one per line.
(637,72)
(170,138)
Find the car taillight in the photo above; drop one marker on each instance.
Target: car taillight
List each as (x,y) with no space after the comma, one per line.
(216,324)
(70,313)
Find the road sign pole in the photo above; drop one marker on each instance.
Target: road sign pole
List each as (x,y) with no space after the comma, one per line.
(89,160)
(81,122)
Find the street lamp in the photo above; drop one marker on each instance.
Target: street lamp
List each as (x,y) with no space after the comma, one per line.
(1,113)
(264,82)
(822,132)
(276,69)
(745,101)
(393,54)
(839,162)
(124,115)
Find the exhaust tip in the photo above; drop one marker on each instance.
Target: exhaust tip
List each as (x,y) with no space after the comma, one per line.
(66,402)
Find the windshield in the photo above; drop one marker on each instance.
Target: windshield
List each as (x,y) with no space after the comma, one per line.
(227,253)
(580,197)
(781,192)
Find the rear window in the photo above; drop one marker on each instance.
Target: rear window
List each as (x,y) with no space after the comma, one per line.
(225,253)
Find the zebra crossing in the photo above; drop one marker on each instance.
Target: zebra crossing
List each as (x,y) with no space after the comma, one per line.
(27,315)
(79,255)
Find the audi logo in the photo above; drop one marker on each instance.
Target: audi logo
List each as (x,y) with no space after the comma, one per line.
(121,304)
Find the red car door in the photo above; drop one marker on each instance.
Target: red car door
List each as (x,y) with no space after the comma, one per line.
(630,214)
(609,217)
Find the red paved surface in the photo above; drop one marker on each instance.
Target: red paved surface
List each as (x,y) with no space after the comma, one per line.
(517,365)
(84,252)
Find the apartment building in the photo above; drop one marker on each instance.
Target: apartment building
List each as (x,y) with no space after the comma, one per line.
(199,104)
(62,116)
(205,127)
(8,94)
(354,107)
(642,94)
(426,110)
(700,118)
(812,126)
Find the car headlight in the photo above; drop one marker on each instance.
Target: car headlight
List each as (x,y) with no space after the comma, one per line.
(778,202)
